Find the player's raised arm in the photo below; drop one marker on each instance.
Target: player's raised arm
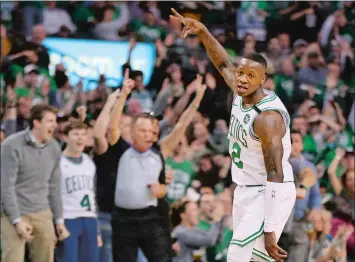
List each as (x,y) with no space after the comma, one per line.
(215,50)
(270,128)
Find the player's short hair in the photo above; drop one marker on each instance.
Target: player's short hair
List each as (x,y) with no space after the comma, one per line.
(256,57)
(75,124)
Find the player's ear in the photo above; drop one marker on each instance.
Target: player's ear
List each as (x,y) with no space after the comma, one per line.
(263,79)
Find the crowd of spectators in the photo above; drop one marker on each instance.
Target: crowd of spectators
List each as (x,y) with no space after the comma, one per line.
(309,47)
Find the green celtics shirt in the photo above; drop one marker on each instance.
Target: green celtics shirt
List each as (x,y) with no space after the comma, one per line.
(183,174)
(310,149)
(217,253)
(147,33)
(284,86)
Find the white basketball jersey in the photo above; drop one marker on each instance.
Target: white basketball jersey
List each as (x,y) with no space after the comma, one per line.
(78,187)
(248,166)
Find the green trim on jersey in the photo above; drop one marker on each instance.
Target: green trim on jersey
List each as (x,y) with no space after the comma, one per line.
(251,130)
(262,101)
(262,255)
(248,239)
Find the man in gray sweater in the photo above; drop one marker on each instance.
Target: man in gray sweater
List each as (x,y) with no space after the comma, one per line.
(30,190)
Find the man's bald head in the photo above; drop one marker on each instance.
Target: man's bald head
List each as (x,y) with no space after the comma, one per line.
(38,34)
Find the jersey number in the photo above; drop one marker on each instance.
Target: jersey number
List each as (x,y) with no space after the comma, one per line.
(85,202)
(236,155)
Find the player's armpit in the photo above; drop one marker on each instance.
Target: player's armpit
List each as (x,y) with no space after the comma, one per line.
(270,128)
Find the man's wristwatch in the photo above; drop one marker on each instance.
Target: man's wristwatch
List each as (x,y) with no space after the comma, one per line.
(303,186)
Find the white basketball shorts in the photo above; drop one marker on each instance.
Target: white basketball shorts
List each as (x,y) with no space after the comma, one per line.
(248,222)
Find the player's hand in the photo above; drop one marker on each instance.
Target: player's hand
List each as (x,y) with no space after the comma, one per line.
(62,232)
(272,248)
(128,84)
(191,26)
(24,229)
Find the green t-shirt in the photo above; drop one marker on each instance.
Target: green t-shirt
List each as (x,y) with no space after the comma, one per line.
(284,86)
(183,174)
(146,33)
(310,149)
(83,13)
(327,156)
(117,13)
(217,253)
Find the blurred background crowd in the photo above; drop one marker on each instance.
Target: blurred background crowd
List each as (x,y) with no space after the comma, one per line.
(309,47)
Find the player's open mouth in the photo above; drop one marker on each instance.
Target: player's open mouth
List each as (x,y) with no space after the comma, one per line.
(242,88)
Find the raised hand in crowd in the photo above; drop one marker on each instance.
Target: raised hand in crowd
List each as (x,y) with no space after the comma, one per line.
(218,212)
(113,131)
(82,112)
(128,84)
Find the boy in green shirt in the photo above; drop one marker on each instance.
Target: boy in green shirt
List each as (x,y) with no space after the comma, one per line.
(183,174)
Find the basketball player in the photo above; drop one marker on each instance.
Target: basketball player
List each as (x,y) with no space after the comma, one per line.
(260,146)
(78,196)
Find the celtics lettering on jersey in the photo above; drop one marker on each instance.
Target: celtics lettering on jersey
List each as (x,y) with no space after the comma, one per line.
(78,192)
(237,135)
(76,183)
(248,166)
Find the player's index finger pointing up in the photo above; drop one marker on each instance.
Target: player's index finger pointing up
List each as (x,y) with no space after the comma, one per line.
(177,15)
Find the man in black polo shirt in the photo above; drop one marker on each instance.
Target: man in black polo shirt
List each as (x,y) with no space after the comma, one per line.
(140,183)
(107,155)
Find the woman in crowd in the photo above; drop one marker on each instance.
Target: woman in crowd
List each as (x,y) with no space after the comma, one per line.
(343,210)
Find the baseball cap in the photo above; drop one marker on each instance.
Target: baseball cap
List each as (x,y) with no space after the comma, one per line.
(31,68)
(300,42)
